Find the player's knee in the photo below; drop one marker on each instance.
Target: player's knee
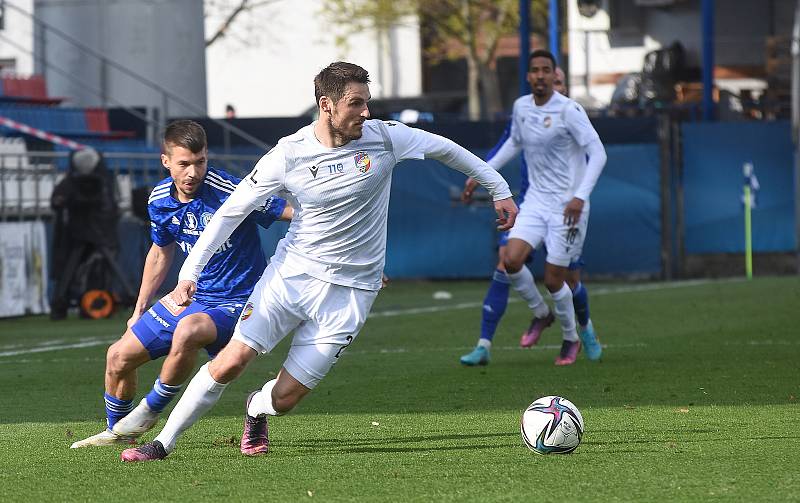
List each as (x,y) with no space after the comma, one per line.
(513,264)
(553,283)
(118,361)
(572,283)
(227,369)
(190,336)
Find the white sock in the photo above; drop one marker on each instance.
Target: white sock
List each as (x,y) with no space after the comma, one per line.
(261,403)
(523,282)
(201,394)
(565,312)
(485,343)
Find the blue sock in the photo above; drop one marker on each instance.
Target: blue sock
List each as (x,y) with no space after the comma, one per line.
(116,409)
(580,299)
(494,305)
(161,395)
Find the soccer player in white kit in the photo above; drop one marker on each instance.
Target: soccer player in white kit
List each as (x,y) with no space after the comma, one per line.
(556,137)
(326,272)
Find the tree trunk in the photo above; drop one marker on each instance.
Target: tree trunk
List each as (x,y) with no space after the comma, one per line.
(473,92)
(490,90)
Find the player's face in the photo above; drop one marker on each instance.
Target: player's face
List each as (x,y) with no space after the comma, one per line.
(186,168)
(559,81)
(540,76)
(349,113)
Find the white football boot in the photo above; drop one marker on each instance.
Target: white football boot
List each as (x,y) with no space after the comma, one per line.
(105,437)
(137,422)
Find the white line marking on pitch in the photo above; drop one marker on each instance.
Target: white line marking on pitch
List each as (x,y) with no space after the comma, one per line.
(50,347)
(594,292)
(58,344)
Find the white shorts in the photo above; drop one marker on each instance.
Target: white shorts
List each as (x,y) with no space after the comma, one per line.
(325,318)
(536,224)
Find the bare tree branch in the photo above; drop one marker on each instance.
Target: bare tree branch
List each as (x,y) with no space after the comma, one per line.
(244,5)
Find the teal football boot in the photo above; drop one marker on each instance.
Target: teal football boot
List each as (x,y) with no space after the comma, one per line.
(478,356)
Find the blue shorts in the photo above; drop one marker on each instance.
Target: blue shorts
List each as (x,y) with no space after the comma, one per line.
(502,240)
(156,326)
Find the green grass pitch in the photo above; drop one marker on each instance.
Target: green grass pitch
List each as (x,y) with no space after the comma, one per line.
(695,399)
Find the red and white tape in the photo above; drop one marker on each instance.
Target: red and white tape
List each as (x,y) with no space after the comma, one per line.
(39,133)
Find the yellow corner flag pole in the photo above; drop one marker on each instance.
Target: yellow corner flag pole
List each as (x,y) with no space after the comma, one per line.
(749,178)
(748,235)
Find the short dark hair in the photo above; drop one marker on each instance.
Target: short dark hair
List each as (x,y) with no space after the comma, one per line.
(185,133)
(541,53)
(333,79)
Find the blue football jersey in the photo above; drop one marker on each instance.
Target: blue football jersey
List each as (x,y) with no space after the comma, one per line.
(237,265)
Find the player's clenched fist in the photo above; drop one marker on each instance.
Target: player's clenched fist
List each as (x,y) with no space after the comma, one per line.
(506,213)
(183,293)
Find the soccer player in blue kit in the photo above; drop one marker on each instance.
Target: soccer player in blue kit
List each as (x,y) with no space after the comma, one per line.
(180,206)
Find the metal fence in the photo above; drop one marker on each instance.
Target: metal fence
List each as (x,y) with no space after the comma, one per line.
(27,179)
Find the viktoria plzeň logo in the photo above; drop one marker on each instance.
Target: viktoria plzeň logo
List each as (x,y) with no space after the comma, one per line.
(247,311)
(362,161)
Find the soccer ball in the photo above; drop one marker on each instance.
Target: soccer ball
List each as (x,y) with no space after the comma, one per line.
(552,425)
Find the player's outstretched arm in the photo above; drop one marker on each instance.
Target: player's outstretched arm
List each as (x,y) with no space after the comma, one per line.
(156,266)
(412,143)
(265,179)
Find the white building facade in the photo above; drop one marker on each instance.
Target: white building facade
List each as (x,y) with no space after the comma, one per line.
(16,38)
(265,65)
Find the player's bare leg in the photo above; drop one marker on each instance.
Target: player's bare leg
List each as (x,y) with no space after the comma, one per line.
(203,391)
(277,397)
(192,333)
(122,359)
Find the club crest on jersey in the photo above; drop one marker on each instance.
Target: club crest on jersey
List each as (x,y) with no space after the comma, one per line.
(247,311)
(313,170)
(205,218)
(547,121)
(171,305)
(362,161)
(191,220)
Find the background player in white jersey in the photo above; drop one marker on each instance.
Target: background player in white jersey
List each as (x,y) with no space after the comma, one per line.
(179,208)
(496,299)
(555,136)
(326,272)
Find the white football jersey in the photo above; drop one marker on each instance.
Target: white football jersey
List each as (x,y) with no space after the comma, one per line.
(340,198)
(553,138)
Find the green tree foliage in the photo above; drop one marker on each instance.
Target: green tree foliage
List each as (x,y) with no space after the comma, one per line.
(452,29)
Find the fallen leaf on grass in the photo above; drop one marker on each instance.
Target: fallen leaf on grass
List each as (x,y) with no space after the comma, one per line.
(225,441)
